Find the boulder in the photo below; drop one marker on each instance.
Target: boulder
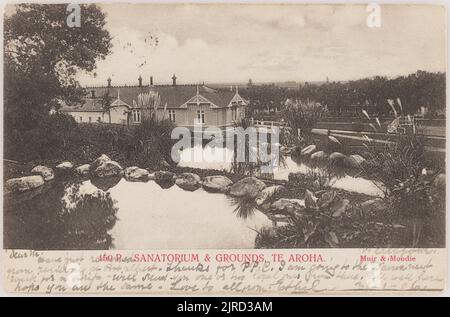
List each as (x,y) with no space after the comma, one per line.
(99,161)
(188,181)
(249,187)
(22,184)
(83,170)
(164,176)
(46,172)
(439,181)
(285,205)
(337,158)
(354,161)
(307,151)
(108,169)
(373,205)
(64,166)
(319,156)
(135,173)
(266,193)
(216,183)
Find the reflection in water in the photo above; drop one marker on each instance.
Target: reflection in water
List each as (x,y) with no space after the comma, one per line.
(154,218)
(66,216)
(165,184)
(130,215)
(244,206)
(341,178)
(105,183)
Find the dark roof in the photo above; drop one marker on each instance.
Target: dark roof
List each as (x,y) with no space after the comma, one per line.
(88,105)
(172,95)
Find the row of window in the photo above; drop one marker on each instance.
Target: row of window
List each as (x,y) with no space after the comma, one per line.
(136,116)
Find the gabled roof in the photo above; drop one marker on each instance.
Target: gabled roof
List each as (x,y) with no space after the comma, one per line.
(174,96)
(89,105)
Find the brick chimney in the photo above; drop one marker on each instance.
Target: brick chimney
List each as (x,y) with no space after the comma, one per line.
(151,81)
(109,81)
(174,80)
(140,81)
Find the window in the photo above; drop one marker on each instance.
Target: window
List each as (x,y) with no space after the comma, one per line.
(136,116)
(172,115)
(200,116)
(81,119)
(99,119)
(90,119)
(233,113)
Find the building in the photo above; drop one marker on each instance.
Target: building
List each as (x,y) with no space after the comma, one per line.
(185,105)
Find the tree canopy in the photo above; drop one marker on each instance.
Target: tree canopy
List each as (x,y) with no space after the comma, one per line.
(42,55)
(371,94)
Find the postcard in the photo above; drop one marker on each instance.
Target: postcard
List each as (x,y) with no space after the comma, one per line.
(224,149)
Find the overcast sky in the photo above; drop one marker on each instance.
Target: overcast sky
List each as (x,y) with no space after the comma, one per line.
(232,43)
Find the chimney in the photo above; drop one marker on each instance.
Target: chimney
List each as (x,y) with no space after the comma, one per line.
(174,80)
(151,81)
(92,93)
(109,82)
(140,81)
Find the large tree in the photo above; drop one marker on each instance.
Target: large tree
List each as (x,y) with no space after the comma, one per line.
(42,55)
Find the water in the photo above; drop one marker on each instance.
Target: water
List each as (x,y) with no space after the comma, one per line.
(221,158)
(128,215)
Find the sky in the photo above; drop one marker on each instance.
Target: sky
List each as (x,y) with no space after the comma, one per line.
(268,43)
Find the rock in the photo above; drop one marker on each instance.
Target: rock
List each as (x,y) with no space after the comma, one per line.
(188,181)
(249,187)
(285,205)
(46,172)
(216,183)
(354,161)
(164,176)
(151,176)
(337,158)
(83,170)
(135,173)
(319,156)
(65,166)
(108,169)
(376,204)
(21,184)
(99,161)
(358,158)
(439,181)
(307,151)
(266,193)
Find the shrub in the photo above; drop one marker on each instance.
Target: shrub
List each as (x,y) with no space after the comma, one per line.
(49,140)
(302,115)
(398,160)
(152,139)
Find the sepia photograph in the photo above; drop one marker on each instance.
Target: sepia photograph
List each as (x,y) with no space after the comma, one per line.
(138,126)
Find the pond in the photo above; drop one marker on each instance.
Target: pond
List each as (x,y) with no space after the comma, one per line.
(220,159)
(128,215)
